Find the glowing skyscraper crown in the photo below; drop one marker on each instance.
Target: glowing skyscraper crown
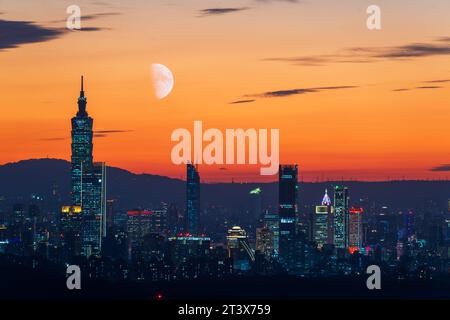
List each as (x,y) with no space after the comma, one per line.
(326,201)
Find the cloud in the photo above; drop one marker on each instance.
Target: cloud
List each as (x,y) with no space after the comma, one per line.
(438,81)
(442,167)
(53,139)
(429,87)
(440,47)
(13,34)
(220,11)
(418,88)
(87,29)
(105,133)
(243,101)
(402,89)
(93,16)
(444,39)
(16,33)
(290,92)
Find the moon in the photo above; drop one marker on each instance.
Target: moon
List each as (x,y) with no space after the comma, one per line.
(162,80)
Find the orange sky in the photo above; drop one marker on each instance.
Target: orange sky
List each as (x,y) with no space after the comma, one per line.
(367,132)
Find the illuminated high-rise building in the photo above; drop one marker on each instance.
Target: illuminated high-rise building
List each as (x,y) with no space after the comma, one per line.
(109,216)
(355,237)
(239,249)
(186,253)
(323,222)
(88,180)
(264,241)
(70,232)
(192,199)
(287,211)
(81,147)
(94,208)
(139,224)
(272,222)
(341,218)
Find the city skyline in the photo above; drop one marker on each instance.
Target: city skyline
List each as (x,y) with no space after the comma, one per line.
(389,109)
(166,242)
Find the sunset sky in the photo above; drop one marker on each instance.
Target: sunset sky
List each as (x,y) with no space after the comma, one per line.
(349,102)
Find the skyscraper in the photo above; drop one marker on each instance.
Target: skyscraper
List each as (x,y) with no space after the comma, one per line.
(70,232)
(272,222)
(323,222)
(287,210)
(94,207)
(341,217)
(239,249)
(192,199)
(81,147)
(88,180)
(355,238)
(264,241)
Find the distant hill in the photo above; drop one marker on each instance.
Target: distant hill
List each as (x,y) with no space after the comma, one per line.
(20,179)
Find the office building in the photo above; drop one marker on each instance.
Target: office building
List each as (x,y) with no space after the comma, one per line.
(287,212)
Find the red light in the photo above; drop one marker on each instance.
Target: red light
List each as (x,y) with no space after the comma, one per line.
(356,210)
(352,250)
(159,296)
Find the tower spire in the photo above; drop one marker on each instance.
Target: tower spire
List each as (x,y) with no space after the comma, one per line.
(82,101)
(82,87)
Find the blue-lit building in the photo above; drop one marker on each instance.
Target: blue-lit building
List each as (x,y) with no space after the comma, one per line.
(88,180)
(239,249)
(287,212)
(341,217)
(272,222)
(192,200)
(81,147)
(323,222)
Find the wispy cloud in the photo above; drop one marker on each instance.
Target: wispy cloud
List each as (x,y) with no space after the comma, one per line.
(418,88)
(52,139)
(105,133)
(429,87)
(439,47)
(442,167)
(402,89)
(219,11)
(290,92)
(13,34)
(438,81)
(93,16)
(243,101)
(16,33)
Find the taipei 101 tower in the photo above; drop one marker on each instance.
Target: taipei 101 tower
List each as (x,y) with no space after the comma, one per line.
(81,147)
(88,181)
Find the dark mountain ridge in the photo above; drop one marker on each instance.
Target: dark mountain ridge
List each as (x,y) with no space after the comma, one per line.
(38,176)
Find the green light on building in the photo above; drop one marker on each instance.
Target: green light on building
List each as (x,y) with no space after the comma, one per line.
(256,191)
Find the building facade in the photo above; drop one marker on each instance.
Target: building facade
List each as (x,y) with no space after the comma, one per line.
(341,217)
(287,212)
(192,199)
